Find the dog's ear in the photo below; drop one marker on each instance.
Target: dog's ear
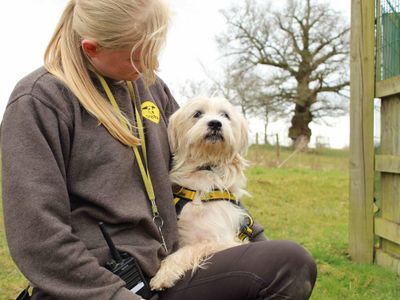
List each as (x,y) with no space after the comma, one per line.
(172,133)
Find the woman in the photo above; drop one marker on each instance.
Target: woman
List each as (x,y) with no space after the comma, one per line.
(67,139)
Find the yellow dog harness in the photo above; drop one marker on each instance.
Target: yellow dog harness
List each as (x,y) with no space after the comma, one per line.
(185,195)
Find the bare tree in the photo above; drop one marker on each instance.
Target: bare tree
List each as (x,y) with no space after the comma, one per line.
(241,88)
(195,88)
(305,46)
(248,89)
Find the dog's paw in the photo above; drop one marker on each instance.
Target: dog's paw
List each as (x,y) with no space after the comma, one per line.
(164,279)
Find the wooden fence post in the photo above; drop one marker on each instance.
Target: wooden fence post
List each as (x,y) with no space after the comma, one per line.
(278,148)
(362,44)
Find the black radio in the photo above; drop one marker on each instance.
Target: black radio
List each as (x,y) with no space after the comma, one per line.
(127,268)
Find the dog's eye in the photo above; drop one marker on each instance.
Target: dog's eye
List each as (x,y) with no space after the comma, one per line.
(225,114)
(197,114)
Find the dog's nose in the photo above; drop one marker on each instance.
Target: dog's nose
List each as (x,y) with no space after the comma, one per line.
(215,124)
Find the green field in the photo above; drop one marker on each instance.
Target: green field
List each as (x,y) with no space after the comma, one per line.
(305,200)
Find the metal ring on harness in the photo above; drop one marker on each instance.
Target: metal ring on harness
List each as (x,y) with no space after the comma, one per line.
(158,220)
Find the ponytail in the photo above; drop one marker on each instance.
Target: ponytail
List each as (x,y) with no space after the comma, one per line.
(64,57)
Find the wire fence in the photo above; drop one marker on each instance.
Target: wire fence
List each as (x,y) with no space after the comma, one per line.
(388,38)
(275,139)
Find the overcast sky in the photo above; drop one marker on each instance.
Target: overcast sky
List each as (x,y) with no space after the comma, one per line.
(26,27)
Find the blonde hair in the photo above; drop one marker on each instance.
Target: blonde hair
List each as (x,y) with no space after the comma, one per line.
(113,24)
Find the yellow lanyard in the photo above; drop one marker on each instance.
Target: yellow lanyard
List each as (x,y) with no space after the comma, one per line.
(144,168)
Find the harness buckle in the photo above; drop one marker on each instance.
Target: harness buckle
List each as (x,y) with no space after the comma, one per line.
(246,230)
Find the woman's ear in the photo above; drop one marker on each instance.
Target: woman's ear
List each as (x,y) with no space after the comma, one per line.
(90,47)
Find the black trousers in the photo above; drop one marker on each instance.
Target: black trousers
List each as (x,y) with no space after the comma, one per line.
(255,271)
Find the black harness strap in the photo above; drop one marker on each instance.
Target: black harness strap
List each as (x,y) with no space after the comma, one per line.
(184,196)
(179,204)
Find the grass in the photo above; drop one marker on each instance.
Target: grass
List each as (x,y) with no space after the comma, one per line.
(305,200)
(11,280)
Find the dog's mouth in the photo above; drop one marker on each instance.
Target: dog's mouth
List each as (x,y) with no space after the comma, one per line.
(214,136)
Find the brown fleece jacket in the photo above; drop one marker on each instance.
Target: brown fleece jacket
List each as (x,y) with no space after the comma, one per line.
(63,173)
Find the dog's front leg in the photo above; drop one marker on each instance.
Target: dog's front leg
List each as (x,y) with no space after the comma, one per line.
(174,266)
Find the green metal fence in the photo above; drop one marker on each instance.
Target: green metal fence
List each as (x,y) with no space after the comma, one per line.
(388,39)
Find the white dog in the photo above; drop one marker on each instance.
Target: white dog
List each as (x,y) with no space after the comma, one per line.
(207,139)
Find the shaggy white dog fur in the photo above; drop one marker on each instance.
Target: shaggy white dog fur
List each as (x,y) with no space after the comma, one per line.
(208,138)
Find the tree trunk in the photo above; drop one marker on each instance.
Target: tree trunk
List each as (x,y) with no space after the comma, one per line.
(299,132)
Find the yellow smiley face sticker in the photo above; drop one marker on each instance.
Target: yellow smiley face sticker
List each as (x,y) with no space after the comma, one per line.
(151,112)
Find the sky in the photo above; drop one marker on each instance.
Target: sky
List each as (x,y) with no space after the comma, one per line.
(27,25)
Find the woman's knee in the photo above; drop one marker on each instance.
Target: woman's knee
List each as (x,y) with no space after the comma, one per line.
(291,271)
(303,270)
(298,258)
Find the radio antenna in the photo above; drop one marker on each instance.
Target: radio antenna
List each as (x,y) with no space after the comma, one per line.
(114,252)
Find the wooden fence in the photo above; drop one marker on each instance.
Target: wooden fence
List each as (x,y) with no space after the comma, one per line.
(374,236)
